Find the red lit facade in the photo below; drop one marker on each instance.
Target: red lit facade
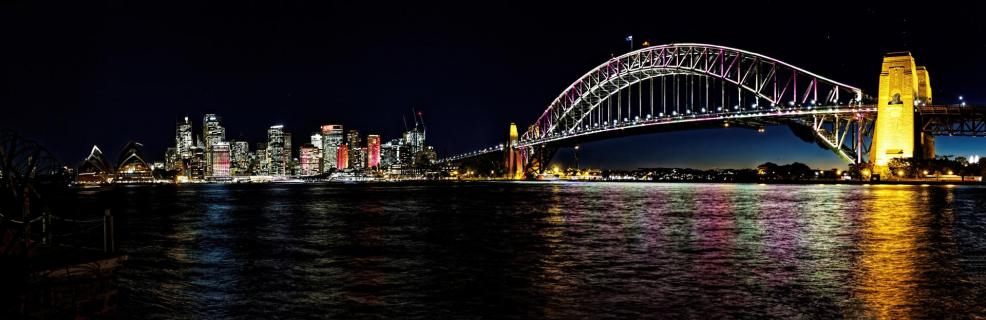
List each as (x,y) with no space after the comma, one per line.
(373,150)
(342,157)
(311,160)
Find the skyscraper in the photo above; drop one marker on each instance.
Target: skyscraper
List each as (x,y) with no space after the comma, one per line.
(316,140)
(171,160)
(288,153)
(275,151)
(353,141)
(183,140)
(239,157)
(352,138)
(196,165)
(373,150)
(262,165)
(357,158)
(310,158)
(389,153)
(342,156)
(412,143)
(212,133)
(331,139)
(220,160)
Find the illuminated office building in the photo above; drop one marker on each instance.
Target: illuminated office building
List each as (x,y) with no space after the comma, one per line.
(342,157)
(414,139)
(220,157)
(171,160)
(357,158)
(311,159)
(352,138)
(239,158)
(262,164)
(212,133)
(373,150)
(332,135)
(294,168)
(288,154)
(411,144)
(183,140)
(389,153)
(316,140)
(276,152)
(197,164)
(353,141)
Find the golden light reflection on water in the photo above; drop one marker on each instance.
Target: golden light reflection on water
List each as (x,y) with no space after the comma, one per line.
(554,278)
(887,275)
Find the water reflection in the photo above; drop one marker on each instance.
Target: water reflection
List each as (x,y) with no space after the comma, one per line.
(556,251)
(888,252)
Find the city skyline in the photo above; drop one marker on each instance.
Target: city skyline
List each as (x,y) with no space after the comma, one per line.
(208,155)
(560,160)
(470,81)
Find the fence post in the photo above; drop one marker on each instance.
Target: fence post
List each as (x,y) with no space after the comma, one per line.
(45,231)
(108,245)
(112,233)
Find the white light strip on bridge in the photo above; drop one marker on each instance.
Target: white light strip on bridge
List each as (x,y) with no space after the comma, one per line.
(683,119)
(675,120)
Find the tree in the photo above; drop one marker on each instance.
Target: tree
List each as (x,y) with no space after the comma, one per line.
(899,167)
(768,168)
(798,170)
(861,171)
(962,161)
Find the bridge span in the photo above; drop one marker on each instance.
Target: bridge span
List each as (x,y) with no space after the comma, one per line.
(689,86)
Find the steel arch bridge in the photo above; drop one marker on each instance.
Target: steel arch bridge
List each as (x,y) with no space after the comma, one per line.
(690,85)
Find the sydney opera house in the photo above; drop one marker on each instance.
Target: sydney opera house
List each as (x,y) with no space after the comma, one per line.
(131,167)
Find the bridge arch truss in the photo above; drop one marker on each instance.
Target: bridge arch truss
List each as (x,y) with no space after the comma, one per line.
(697,80)
(691,85)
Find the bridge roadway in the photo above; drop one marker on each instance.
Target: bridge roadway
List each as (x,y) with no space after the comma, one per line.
(749,118)
(938,120)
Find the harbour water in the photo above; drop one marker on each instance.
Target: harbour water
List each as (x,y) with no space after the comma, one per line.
(549,250)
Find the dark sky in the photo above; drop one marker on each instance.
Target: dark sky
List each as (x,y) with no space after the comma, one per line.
(74,74)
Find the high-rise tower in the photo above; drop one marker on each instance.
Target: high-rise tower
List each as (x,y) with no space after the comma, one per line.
(212,133)
(183,140)
(275,151)
(332,135)
(373,150)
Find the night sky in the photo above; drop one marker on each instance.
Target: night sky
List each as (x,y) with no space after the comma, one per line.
(79,73)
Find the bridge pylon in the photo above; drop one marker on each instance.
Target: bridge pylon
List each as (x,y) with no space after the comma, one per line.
(903,87)
(514,159)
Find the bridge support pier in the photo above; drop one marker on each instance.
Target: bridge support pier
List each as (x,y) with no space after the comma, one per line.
(903,87)
(539,158)
(514,160)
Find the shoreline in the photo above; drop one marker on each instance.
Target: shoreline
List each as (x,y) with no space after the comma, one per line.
(436,182)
